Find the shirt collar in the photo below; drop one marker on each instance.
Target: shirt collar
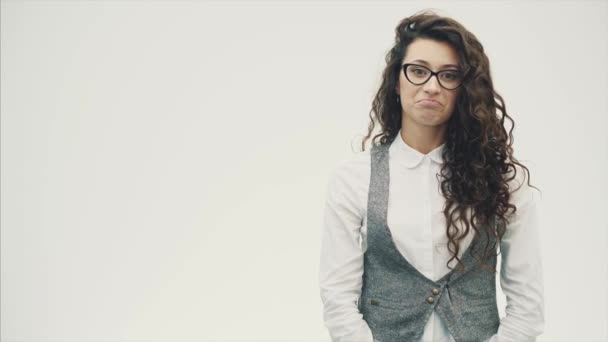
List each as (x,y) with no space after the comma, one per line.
(412,157)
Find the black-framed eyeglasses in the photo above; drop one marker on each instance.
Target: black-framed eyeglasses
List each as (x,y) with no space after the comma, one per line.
(419,74)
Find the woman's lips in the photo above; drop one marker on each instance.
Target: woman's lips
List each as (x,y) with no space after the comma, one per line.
(429,103)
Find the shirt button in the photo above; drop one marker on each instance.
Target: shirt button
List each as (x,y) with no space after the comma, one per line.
(431,300)
(435,291)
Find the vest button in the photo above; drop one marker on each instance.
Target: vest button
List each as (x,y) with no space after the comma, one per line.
(430,300)
(435,291)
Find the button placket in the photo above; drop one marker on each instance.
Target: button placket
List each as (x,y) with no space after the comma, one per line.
(427,253)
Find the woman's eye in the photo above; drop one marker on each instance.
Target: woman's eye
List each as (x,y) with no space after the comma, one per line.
(450,76)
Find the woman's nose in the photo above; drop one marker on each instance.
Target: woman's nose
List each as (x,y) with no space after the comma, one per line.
(432,84)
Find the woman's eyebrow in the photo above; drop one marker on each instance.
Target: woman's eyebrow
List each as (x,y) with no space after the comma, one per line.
(422,61)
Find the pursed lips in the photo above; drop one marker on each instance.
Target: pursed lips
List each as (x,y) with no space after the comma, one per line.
(429,101)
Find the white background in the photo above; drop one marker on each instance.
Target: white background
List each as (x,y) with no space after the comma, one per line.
(164,163)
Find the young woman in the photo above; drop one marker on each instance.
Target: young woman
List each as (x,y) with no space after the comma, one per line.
(413,227)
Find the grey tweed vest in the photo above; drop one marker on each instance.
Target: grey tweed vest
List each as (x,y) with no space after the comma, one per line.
(397,300)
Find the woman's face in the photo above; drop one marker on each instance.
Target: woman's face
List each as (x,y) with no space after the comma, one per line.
(435,56)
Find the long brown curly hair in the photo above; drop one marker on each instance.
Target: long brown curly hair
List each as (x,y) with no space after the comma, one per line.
(478,154)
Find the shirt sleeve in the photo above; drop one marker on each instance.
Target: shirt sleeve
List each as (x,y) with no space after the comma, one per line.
(341,264)
(521,274)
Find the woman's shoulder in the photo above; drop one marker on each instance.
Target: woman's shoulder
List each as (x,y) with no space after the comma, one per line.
(520,186)
(349,181)
(350,174)
(356,164)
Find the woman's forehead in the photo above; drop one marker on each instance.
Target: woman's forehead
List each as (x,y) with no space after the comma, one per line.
(431,53)
(427,63)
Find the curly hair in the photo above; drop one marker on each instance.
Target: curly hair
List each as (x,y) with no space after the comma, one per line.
(478,154)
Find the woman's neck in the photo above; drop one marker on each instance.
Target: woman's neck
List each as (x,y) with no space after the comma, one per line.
(423,139)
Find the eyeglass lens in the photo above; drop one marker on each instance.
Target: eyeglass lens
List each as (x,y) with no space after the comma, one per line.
(449,79)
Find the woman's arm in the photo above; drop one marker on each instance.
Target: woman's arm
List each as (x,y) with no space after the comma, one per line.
(341,264)
(521,275)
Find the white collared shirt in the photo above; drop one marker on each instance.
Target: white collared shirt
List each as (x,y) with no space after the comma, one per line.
(417,224)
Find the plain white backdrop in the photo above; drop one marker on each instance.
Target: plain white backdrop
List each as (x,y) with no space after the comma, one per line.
(163,164)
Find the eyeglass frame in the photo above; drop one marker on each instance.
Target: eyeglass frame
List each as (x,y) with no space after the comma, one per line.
(436,74)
